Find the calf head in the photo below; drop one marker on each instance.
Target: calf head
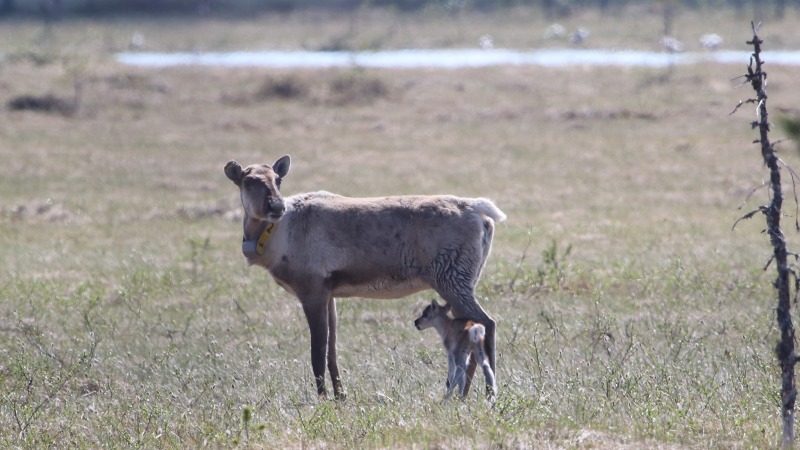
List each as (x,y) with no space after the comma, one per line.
(259,187)
(431,314)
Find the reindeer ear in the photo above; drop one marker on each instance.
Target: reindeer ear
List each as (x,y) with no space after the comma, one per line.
(234,172)
(281,166)
(434,304)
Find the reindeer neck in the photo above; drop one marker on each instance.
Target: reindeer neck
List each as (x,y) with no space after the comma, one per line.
(444,326)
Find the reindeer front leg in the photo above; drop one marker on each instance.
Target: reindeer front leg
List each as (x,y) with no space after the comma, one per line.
(317,317)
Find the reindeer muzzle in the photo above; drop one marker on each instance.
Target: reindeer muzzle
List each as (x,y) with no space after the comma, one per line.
(274,209)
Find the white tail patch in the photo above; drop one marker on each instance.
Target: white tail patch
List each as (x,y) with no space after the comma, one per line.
(476,334)
(487,208)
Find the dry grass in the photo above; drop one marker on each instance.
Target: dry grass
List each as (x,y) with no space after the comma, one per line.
(130,319)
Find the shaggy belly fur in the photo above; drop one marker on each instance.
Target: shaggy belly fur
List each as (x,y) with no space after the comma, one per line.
(377,288)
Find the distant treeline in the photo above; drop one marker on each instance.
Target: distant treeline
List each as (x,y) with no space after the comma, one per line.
(53,9)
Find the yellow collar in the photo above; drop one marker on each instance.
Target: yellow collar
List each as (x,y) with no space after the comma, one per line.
(262,241)
(253,248)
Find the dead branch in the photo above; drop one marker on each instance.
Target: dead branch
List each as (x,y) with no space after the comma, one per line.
(785,348)
(749,215)
(739,105)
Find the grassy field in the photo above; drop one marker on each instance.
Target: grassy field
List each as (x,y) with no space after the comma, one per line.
(630,314)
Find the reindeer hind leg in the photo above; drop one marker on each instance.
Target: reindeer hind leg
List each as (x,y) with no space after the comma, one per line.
(333,366)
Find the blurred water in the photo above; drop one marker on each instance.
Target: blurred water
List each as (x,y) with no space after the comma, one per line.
(453,58)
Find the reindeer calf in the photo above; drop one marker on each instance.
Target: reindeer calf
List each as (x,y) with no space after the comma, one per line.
(462,339)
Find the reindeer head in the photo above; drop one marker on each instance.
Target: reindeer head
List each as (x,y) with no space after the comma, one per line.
(259,187)
(431,314)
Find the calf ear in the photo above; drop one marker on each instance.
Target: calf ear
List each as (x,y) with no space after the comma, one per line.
(234,171)
(281,166)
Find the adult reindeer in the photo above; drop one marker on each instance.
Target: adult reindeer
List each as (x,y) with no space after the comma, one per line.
(320,246)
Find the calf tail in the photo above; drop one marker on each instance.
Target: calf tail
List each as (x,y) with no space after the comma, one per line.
(476,334)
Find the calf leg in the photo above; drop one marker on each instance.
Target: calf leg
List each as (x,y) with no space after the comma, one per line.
(488,373)
(491,384)
(317,317)
(470,373)
(461,374)
(451,375)
(333,367)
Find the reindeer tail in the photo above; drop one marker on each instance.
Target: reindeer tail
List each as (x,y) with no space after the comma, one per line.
(487,208)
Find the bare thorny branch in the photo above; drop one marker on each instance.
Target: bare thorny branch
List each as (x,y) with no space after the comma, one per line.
(761,209)
(785,349)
